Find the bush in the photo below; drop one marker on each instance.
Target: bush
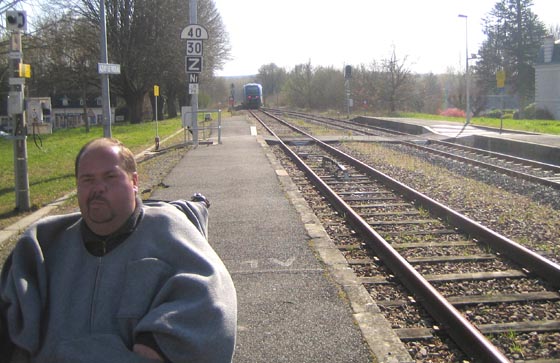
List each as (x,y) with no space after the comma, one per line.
(543,114)
(508,115)
(122,111)
(452,112)
(531,112)
(493,114)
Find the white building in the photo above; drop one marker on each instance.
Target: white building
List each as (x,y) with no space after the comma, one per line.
(547,77)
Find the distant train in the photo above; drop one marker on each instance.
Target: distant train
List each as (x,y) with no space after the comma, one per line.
(252,96)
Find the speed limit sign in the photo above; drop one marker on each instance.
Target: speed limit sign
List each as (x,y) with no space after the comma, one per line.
(194,47)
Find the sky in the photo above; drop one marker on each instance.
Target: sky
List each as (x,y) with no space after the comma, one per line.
(428,33)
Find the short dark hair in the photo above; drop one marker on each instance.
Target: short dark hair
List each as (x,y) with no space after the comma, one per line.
(128,162)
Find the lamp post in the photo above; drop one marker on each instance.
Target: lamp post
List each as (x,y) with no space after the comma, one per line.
(467,76)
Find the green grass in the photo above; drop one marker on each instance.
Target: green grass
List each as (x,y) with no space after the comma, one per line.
(51,167)
(539,126)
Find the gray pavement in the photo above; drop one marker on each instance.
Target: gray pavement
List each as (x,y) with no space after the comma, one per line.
(290,309)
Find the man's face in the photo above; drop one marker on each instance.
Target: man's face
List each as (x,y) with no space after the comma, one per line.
(106,192)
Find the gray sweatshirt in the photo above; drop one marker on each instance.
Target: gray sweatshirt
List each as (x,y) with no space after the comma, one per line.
(61,304)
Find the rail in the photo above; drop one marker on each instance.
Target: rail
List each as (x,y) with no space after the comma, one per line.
(463,333)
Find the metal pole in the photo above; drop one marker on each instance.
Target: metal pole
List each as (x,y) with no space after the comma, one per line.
(467,75)
(157,125)
(16,111)
(347,84)
(501,110)
(219,126)
(105,91)
(193,19)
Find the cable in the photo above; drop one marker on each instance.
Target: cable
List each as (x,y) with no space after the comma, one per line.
(37,136)
(462,129)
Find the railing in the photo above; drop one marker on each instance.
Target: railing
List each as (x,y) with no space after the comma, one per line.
(208,126)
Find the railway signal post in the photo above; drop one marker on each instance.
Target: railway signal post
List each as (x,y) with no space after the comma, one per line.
(347,77)
(195,34)
(16,22)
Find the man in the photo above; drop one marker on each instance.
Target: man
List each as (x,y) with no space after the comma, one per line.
(121,281)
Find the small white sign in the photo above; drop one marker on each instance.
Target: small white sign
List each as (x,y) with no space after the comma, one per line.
(15,81)
(15,55)
(193,88)
(193,77)
(108,68)
(194,47)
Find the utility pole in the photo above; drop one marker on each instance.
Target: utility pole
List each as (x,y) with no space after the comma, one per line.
(16,22)
(105,91)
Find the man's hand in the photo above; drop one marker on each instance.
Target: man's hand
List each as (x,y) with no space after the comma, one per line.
(146,352)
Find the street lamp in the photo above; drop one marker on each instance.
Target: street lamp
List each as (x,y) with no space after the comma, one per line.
(467,76)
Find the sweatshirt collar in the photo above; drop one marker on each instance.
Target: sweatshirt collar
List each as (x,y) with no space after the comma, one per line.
(101,245)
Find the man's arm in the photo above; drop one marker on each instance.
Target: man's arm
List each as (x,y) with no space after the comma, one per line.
(196,211)
(193,315)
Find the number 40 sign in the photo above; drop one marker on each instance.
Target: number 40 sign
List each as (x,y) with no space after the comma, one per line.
(194,31)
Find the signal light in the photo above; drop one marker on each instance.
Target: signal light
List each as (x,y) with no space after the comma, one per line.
(16,20)
(348,72)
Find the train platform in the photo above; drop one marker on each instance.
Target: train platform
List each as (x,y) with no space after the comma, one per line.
(540,147)
(297,299)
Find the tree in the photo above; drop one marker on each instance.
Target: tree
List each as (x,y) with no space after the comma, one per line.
(299,86)
(366,85)
(396,79)
(328,86)
(61,51)
(138,34)
(514,35)
(144,38)
(272,79)
(428,94)
(216,53)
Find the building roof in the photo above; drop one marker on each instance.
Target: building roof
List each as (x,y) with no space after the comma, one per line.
(555,53)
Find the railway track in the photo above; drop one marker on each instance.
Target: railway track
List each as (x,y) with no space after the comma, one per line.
(434,272)
(526,169)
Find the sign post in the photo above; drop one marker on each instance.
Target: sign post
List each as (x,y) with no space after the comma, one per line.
(103,72)
(501,82)
(156,95)
(195,34)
